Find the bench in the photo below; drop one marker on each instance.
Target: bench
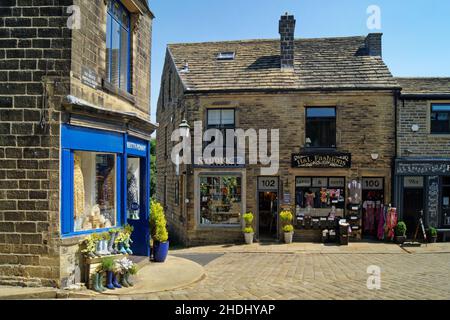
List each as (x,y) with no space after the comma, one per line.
(444,233)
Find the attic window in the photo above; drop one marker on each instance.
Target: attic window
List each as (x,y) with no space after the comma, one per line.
(227,55)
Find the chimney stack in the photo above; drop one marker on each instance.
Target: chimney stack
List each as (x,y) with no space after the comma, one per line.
(287,30)
(374,44)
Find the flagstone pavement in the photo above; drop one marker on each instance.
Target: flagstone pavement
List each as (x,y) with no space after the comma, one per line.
(315,271)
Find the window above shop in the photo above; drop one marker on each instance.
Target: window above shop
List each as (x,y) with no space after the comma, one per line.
(440,118)
(320,127)
(221,119)
(118,46)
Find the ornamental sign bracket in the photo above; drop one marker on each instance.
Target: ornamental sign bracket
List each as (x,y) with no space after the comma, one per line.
(321,160)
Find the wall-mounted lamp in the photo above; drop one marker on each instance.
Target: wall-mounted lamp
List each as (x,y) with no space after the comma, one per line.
(184,128)
(415,128)
(374,156)
(308,142)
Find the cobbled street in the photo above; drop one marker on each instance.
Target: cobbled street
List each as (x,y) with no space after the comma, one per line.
(316,275)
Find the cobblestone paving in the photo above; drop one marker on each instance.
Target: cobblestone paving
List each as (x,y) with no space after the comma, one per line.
(319,276)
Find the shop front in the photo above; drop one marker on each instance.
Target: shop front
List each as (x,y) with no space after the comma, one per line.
(104,183)
(328,186)
(422,189)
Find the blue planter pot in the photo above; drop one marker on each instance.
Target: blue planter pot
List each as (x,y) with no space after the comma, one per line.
(160,251)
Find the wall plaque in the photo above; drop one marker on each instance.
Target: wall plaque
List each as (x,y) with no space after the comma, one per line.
(322,160)
(89,77)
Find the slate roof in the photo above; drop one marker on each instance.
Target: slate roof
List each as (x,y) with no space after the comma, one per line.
(424,85)
(322,63)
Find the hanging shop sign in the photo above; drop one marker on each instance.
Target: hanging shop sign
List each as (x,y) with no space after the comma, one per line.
(268,183)
(322,160)
(372,183)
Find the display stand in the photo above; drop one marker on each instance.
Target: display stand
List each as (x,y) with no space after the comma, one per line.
(93,263)
(354,218)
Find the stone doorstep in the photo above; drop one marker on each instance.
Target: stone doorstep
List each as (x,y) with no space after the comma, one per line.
(25,293)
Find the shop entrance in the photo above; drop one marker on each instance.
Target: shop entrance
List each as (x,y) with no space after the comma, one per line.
(137,197)
(412,207)
(267,221)
(268,213)
(373,202)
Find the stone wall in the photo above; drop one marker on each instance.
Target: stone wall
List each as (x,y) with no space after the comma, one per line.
(35,51)
(89,51)
(365,125)
(421,143)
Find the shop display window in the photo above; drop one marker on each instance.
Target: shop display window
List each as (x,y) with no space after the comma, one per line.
(318,195)
(220,200)
(134,188)
(446,202)
(94,190)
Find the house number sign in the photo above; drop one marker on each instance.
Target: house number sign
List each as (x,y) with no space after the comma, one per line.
(268,183)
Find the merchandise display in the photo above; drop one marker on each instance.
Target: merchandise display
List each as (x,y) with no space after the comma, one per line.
(94,190)
(133,183)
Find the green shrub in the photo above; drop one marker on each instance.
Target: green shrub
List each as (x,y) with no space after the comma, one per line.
(286,216)
(248,218)
(158,223)
(248,230)
(400,229)
(108,264)
(432,232)
(288,228)
(133,270)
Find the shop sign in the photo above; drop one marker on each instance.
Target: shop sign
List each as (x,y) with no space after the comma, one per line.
(413,182)
(136,146)
(320,182)
(423,168)
(336,183)
(268,183)
(322,160)
(303,182)
(372,183)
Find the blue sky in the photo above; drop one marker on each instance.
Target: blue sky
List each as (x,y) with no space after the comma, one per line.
(416,40)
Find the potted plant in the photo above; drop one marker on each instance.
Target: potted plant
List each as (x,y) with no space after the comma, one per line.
(432,234)
(249,233)
(400,232)
(158,229)
(288,229)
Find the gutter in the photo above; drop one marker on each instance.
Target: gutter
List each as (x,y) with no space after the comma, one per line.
(282,90)
(425,96)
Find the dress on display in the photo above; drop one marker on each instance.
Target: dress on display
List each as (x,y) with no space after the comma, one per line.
(78,189)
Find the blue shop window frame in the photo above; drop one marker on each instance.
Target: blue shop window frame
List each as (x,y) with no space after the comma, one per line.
(83,139)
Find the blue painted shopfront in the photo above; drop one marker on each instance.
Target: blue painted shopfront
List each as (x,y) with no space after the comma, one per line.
(105,183)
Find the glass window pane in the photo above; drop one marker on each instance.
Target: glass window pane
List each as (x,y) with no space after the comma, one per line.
(124,60)
(213,117)
(320,112)
(108,47)
(441,107)
(133,188)
(94,190)
(115,53)
(228,117)
(220,200)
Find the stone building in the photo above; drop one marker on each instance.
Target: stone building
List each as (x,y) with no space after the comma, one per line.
(74,120)
(333,101)
(422,168)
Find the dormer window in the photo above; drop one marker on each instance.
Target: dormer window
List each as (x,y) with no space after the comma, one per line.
(227,55)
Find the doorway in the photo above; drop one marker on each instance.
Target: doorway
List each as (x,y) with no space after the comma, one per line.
(412,208)
(268,215)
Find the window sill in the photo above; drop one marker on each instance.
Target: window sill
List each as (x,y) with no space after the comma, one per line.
(118,92)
